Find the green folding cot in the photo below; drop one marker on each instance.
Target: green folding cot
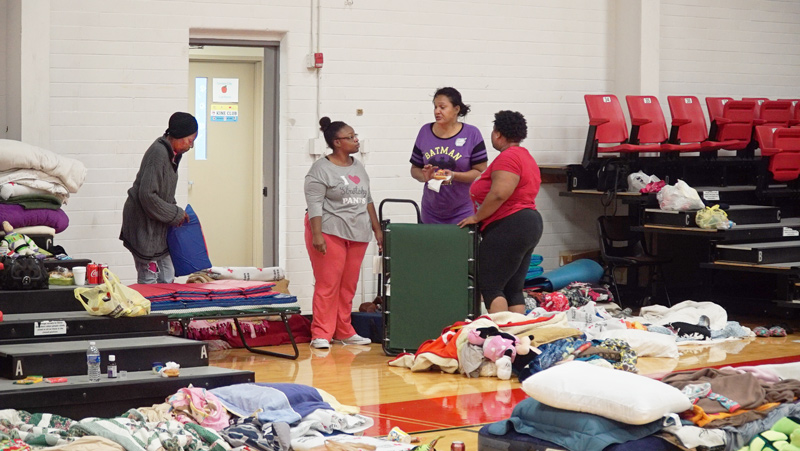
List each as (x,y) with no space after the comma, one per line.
(429,280)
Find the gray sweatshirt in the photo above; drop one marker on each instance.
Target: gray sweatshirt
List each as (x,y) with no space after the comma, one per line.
(151,207)
(340,194)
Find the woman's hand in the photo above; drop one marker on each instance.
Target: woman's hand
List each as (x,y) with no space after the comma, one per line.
(318,241)
(379,239)
(427,172)
(450,176)
(468,220)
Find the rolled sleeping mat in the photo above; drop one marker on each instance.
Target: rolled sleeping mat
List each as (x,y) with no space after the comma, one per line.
(583,270)
(536,260)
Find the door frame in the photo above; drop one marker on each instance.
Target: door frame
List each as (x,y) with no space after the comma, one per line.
(269,137)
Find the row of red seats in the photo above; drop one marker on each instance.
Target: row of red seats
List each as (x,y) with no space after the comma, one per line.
(731,128)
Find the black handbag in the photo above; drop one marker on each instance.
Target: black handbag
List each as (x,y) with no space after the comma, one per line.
(23,272)
(612,176)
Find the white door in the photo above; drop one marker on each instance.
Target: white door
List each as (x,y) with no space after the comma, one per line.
(225,172)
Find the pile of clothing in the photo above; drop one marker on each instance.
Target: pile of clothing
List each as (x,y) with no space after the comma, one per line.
(243,416)
(34,184)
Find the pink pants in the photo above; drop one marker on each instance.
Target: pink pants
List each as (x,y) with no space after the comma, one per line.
(336,273)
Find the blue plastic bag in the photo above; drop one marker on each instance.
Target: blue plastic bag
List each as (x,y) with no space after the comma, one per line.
(187,246)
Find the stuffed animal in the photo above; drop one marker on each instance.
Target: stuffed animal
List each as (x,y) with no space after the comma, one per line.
(495,343)
(500,343)
(17,242)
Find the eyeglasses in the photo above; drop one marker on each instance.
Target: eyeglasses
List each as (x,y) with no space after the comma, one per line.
(349,138)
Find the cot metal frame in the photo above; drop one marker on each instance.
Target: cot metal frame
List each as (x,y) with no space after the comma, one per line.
(269,311)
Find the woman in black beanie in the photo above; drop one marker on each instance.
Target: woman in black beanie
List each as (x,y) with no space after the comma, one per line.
(151,207)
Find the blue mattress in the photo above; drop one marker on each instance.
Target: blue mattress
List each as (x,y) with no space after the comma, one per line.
(514,441)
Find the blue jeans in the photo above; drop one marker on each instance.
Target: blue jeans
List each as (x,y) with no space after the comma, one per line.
(159,270)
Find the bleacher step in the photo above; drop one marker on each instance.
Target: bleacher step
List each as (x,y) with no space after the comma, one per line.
(761,253)
(78,398)
(739,214)
(56,298)
(68,358)
(65,326)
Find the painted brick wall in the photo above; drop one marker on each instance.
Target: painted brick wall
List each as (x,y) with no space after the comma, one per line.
(119,70)
(3,76)
(738,48)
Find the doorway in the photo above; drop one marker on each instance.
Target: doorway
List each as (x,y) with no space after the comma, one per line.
(232,171)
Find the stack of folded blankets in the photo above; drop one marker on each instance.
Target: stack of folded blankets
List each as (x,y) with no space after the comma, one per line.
(214,297)
(34,183)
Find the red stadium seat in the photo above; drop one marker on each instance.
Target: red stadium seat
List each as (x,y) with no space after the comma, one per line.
(715,106)
(782,147)
(776,113)
(608,130)
(735,124)
(689,124)
(758,101)
(649,126)
(795,111)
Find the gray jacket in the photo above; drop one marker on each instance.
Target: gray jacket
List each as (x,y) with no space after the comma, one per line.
(151,207)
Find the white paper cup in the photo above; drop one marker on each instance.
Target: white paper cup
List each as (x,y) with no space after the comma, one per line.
(79,274)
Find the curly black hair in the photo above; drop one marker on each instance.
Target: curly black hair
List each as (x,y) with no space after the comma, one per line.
(511,124)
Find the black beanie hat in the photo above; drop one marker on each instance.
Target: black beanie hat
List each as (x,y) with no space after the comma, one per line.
(181,125)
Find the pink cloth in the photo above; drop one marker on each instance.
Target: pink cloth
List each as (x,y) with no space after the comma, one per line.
(196,405)
(760,373)
(336,277)
(653,187)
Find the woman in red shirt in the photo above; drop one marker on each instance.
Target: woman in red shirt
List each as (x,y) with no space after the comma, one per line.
(505,207)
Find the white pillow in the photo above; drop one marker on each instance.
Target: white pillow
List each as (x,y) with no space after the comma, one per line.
(646,344)
(614,394)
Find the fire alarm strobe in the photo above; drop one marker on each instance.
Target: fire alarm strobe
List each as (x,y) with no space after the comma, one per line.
(314,61)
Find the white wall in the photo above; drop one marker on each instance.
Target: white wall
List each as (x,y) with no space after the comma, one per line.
(3,66)
(735,48)
(119,69)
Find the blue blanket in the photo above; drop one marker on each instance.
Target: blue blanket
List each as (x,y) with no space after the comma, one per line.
(286,403)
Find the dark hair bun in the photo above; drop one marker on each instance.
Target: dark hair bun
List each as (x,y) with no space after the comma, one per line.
(324,123)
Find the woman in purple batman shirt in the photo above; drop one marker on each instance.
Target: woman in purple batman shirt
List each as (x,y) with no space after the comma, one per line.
(453,147)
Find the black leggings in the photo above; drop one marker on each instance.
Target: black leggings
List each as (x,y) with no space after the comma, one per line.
(504,256)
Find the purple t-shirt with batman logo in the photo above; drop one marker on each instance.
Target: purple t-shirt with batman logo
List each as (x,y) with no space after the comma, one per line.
(458,154)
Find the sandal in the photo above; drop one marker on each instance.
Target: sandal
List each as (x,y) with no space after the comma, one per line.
(761,331)
(777,331)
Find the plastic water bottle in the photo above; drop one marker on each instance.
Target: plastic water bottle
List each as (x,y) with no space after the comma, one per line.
(93,362)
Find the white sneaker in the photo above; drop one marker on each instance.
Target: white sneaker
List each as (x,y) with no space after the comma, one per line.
(354,340)
(504,368)
(320,343)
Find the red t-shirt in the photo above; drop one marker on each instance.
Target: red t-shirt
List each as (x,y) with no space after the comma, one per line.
(516,160)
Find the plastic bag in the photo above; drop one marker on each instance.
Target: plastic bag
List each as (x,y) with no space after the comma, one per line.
(713,218)
(638,180)
(187,246)
(112,298)
(680,197)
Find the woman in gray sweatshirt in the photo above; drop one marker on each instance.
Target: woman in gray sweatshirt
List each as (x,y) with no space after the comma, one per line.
(151,207)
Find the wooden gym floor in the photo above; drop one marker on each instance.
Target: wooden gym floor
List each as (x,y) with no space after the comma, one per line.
(431,404)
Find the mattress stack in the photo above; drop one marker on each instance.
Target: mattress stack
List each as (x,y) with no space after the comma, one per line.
(217,297)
